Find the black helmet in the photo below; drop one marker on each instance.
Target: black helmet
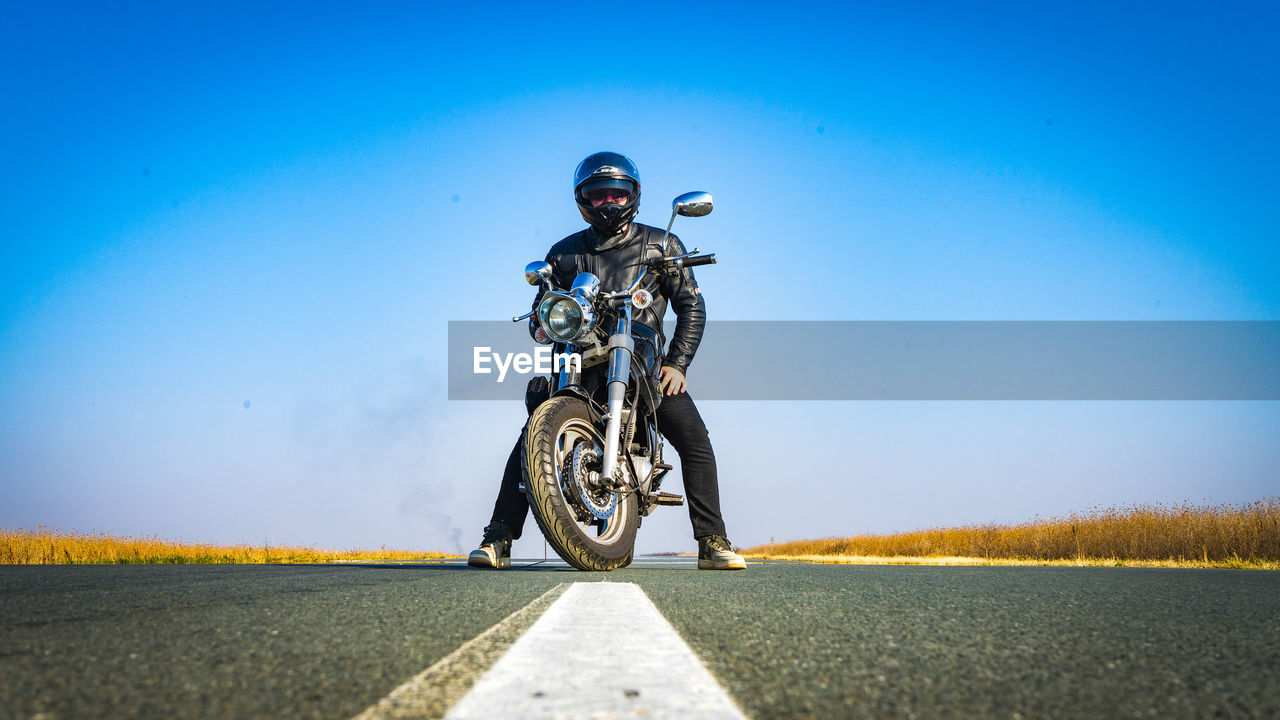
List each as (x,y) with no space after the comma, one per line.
(599,173)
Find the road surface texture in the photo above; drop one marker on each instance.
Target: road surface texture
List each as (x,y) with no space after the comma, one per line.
(785,640)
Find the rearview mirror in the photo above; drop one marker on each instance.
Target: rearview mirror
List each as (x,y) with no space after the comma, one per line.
(692,204)
(536,272)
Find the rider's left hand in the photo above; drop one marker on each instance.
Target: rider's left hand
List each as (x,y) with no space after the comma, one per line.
(671,380)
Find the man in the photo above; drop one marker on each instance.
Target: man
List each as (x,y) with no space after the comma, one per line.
(606,186)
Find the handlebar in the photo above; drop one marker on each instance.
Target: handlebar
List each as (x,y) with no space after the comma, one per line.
(679,261)
(665,264)
(708,259)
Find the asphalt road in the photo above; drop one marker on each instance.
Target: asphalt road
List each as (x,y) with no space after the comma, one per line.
(785,640)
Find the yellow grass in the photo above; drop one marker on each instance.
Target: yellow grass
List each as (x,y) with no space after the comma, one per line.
(1148,535)
(994,561)
(44,546)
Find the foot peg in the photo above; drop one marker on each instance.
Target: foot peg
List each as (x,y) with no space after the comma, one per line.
(670,499)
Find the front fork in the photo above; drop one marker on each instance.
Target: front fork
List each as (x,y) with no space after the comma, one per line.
(620,348)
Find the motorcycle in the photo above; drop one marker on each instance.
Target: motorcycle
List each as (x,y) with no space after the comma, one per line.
(592,454)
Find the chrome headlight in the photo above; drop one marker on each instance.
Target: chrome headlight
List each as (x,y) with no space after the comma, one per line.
(565,317)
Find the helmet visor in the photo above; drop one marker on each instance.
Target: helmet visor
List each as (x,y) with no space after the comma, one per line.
(610,190)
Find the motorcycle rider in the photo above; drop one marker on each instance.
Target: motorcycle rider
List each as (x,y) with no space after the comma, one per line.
(606,187)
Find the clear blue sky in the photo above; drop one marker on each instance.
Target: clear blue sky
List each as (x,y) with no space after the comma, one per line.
(233,236)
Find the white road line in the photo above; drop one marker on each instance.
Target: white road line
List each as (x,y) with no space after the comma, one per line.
(601,651)
(431,692)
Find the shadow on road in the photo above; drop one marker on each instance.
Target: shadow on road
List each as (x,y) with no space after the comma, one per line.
(532,566)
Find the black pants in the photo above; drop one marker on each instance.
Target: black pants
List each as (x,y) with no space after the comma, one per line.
(680,423)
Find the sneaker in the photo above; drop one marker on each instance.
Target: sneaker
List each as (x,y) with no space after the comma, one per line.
(495,549)
(715,553)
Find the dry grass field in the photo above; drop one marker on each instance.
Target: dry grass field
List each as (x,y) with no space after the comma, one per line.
(1152,535)
(51,547)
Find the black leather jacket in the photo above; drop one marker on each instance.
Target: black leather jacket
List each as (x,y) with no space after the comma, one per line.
(617,261)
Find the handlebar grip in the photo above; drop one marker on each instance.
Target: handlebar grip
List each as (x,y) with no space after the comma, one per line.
(697,260)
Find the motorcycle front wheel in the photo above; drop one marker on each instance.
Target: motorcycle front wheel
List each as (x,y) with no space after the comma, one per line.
(585,541)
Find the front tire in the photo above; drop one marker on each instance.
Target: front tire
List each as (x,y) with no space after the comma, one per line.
(557,426)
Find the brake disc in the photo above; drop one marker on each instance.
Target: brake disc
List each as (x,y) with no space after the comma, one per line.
(600,503)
